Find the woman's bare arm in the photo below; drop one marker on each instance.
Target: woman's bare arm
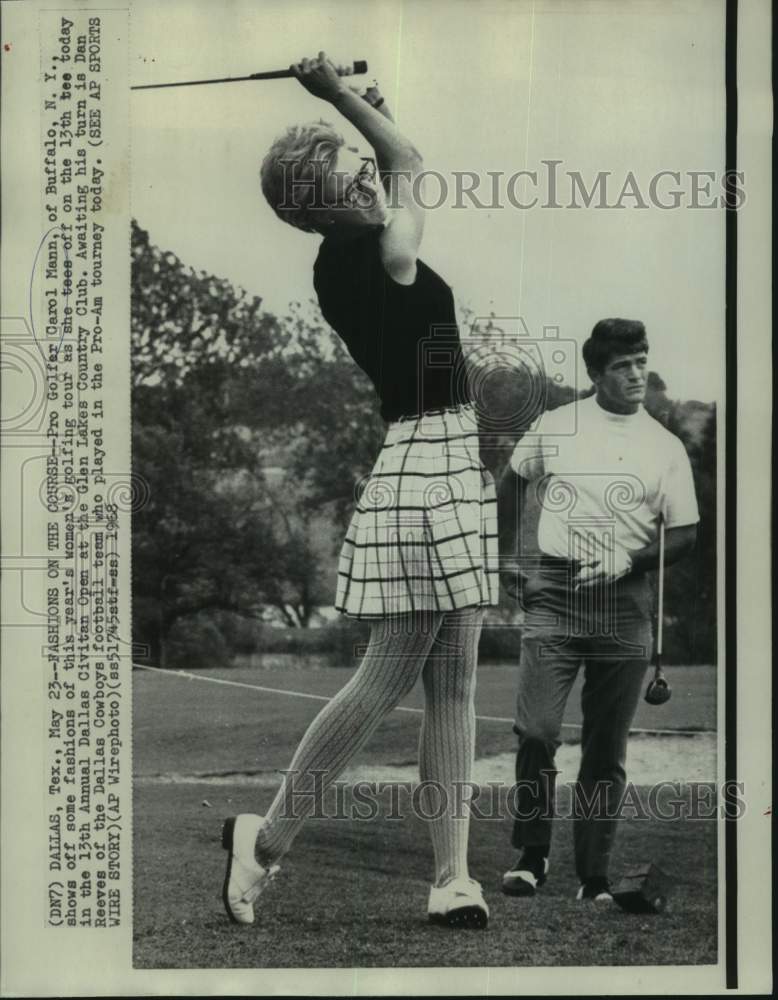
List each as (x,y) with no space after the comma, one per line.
(401,238)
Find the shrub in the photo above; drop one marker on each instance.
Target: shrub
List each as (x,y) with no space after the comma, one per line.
(196,642)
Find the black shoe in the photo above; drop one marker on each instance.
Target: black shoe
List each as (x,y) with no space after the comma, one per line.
(527,875)
(596,889)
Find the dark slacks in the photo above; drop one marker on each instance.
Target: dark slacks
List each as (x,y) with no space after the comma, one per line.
(608,633)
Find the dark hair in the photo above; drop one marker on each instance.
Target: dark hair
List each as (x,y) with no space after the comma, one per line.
(611,337)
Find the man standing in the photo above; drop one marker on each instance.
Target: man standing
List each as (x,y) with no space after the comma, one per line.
(605,474)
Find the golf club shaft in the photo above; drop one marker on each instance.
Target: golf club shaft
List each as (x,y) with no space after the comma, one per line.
(661,594)
(359,66)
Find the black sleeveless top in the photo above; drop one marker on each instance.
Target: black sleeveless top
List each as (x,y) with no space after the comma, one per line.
(404,337)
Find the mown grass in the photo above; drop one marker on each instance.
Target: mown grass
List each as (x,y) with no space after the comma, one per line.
(183,725)
(353,894)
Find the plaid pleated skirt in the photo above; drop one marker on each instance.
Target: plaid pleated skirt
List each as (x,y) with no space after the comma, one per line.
(423,536)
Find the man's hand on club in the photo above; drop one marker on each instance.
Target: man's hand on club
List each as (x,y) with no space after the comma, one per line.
(321,77)
(612,565)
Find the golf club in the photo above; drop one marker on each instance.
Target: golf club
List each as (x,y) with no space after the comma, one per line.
(359,66)
(658,690)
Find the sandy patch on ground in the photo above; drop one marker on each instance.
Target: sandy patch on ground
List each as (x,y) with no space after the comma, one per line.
(650,759)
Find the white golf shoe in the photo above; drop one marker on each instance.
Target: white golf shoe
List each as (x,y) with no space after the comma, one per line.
(245,878)
(597,890)
(459,903)
(526,876)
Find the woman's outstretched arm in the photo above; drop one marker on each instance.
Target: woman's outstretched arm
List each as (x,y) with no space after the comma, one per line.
(320,77)
(402,236)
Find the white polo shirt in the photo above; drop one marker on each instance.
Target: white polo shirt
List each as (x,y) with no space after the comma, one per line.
(606,483)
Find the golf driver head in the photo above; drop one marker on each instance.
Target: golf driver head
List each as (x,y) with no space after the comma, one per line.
(658,691)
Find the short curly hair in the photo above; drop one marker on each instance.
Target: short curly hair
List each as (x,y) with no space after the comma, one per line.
(294,171)
(611,337)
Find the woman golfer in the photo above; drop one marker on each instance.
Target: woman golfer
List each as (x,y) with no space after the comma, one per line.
(419,560)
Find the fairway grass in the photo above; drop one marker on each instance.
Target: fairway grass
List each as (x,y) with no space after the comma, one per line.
(196,726)
(354,894)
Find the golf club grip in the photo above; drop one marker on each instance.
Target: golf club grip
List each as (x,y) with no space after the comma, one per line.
(359,66)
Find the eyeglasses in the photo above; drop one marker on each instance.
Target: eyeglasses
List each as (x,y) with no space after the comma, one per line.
(360,192)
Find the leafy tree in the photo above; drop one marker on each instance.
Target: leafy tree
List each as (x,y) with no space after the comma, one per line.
(247,427)
(690,585)
(212,387)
